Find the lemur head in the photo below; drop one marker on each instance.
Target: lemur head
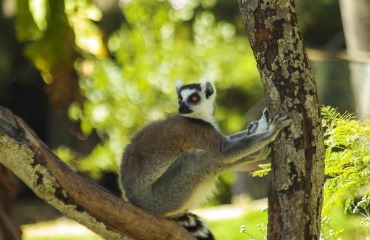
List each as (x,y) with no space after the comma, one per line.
(197,100)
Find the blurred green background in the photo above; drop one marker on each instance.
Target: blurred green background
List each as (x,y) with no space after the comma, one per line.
(87,74)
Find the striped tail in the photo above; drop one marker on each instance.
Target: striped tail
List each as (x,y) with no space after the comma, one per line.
(195,226)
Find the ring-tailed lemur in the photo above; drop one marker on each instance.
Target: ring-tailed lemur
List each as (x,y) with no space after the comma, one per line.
(171,166)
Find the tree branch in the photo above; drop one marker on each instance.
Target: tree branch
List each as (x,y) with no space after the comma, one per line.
(9,228)
(76,197)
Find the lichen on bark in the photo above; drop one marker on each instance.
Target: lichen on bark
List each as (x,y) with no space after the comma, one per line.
(73,195)
(295,194)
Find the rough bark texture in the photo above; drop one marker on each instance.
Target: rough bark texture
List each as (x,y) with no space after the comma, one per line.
(9,228)
(76,197)
(295,194)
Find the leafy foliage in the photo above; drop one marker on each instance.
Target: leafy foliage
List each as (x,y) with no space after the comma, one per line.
(347,159)
(125,80)
(46,23)
(263,171)
(56,33)
(347,162)
(158,43)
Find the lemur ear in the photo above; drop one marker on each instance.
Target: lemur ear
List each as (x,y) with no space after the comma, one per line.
(179,84)
(207,87)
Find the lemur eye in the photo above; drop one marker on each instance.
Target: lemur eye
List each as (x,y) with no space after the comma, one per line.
(194,98)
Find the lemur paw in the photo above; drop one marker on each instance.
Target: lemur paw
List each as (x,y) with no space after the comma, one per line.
(261,125)
(281,121)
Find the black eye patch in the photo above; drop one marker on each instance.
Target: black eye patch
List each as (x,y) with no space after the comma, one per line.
(194,98)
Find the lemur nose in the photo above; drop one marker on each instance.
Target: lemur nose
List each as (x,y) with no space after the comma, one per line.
(183,108)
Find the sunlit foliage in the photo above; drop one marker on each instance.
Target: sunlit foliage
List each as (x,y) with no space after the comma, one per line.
(159,42)
(127,79)
(56,33)
(49,25)
(347,162)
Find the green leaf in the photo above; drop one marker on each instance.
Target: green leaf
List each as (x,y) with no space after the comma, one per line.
(265,169)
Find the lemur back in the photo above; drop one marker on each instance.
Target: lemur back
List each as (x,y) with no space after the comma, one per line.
(155,149)
(171,166)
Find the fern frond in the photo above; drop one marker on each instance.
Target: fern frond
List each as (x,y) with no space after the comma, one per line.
(329,113)
(347,159)
(347,116)
(265,169)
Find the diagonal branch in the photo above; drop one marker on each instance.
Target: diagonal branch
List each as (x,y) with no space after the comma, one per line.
(76,197)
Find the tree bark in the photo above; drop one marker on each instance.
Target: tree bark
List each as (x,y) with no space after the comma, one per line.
(296,188)
(9,228)
(76,197)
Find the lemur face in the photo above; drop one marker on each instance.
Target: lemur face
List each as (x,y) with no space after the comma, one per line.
(188,100)
(196,100)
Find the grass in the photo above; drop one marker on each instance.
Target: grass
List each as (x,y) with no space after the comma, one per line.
(349,226)
(340,226)
(230,229)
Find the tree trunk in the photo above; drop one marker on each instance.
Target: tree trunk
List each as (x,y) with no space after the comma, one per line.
(76,197)
(9,228)
(356,24)
(296,188)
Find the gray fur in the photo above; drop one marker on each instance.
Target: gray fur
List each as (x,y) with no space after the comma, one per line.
(171,165)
